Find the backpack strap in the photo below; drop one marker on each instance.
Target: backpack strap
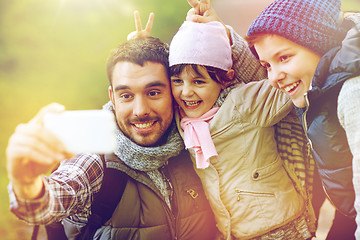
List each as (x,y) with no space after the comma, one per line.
(105,202)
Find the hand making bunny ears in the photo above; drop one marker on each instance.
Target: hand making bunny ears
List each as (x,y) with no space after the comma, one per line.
(201,12)
(140,33)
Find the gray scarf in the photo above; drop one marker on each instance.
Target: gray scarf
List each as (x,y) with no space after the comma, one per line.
(223,94)
(149,159)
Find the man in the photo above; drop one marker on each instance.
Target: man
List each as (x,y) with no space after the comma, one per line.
(163,197)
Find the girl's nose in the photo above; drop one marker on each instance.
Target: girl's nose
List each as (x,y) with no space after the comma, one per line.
(187,90)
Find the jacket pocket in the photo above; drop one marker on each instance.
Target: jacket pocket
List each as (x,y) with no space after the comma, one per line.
(264,172)
(72,228)
(239,193)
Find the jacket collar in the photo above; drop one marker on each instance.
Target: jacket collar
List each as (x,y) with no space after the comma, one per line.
(340,63)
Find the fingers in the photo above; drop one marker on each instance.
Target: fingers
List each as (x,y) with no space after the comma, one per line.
(33,150)
(34,142)
(38,137)
(204,6)
(200,7)
(208,16)
(51,108)
(150,23)
(191,15)
(132,35)
(195,5)
(137,21)
(201,12)
(140,33)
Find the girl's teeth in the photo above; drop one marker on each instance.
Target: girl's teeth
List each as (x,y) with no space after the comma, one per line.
(194,103)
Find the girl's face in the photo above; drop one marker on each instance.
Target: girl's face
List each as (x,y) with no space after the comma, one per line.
(290,66)
(196,94)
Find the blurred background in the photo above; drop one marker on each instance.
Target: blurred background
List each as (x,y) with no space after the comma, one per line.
(55,51)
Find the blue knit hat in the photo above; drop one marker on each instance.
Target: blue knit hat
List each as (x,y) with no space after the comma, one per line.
(313,24)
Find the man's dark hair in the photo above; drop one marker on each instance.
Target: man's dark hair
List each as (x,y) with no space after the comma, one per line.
(139,51)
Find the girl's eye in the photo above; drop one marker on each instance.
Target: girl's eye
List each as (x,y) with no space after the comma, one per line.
(199,82)
(176,81)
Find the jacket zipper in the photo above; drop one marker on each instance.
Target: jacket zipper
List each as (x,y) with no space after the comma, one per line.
(309,142)
(167,178)
(305,126)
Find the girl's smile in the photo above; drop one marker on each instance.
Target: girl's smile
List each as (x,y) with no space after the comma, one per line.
(195,93)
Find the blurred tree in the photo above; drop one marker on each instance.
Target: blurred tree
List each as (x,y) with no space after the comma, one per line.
(55,51)
(350,5)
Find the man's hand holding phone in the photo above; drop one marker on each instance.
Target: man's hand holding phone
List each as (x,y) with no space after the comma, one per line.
(53,135)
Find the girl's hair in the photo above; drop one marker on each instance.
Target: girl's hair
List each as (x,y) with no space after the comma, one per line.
(217,74)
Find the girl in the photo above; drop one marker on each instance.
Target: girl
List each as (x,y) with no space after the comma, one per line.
(228,127)
(316,61)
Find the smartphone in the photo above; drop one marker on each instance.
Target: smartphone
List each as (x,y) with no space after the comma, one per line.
(84,130)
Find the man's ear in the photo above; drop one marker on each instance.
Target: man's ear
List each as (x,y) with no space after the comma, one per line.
(111,95)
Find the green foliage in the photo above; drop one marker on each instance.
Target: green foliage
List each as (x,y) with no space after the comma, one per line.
(350,5)
(55,51)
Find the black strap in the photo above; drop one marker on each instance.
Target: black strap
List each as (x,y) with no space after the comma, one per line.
(35,232)
(105,201)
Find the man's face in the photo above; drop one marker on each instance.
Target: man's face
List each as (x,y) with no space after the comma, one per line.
(290,66)
(142,100)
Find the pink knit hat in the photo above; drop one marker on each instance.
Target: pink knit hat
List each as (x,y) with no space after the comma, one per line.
(201,43)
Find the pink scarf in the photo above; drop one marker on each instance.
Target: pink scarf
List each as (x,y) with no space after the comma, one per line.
(197,136)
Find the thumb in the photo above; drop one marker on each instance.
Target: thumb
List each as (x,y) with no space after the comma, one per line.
(199,19)
(51,108)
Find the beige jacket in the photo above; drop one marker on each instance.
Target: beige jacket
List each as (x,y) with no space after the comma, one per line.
(248,187)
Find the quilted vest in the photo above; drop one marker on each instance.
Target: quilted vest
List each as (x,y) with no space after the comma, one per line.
(142,212)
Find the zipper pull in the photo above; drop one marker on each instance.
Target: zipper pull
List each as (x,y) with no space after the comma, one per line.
(192,193)
(308,149)
(237,191)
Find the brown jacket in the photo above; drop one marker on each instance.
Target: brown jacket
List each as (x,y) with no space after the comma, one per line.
(143,213)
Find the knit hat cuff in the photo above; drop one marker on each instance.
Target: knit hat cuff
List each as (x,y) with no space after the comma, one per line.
(313,24)
(203,44)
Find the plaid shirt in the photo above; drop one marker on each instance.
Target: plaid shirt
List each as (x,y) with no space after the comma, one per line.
(68,192)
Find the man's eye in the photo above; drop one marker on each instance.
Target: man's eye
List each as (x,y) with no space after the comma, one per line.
(125,96)
(154,93)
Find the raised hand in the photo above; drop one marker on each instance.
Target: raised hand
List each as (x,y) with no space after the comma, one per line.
(33,151)
(200,7)
(140,33)
(201,11)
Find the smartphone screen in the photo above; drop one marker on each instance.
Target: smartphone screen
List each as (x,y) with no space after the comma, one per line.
(84,130)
